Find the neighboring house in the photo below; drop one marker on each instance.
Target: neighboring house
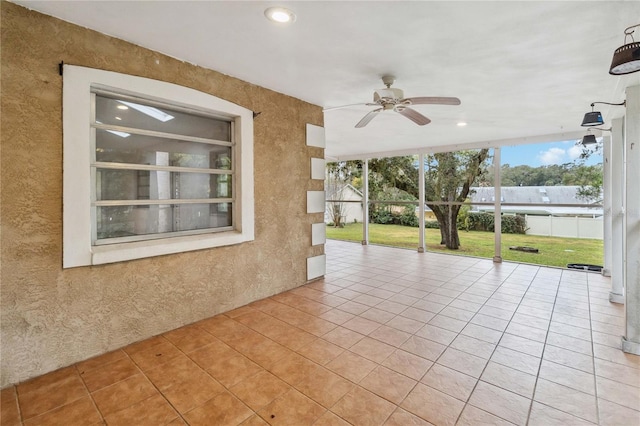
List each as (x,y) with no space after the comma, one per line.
(535,195)
(557,221)
(349,207)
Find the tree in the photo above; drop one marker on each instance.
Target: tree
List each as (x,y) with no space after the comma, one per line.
(449,177)
(338,175)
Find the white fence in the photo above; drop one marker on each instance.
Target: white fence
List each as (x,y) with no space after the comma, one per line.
(570,227)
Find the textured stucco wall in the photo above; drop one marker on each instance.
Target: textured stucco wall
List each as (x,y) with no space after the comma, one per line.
(53,317)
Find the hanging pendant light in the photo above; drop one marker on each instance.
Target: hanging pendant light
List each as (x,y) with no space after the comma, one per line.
(594,118)
(626,58)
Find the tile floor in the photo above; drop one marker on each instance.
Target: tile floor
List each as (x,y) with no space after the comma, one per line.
(388,337)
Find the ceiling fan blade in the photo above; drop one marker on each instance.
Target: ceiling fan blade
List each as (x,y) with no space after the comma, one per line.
(347,106)
(412,115)
(367,118)
(422,100)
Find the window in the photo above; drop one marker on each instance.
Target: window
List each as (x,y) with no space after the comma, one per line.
(151,168)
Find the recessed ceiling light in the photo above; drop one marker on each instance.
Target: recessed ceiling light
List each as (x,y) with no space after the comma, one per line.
(118,118)
(280,15)
(122,107)
(461,124)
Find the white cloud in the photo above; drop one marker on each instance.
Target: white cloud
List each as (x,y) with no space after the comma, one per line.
(574,152)
(552,156)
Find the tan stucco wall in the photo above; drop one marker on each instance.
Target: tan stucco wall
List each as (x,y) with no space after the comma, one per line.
(53,317)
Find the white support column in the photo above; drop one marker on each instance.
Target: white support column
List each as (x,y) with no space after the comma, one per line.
(631,339)
(422,247)
(616,266)
(365,202)
(497,218)
(606,201)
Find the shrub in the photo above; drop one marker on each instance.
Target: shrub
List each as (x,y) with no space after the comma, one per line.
(485,222)
(432,224)
(408,217)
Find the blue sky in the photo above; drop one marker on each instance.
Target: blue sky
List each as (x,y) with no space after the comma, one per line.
(545,154)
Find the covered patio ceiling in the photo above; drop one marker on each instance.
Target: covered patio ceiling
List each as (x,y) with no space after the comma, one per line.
(524,71)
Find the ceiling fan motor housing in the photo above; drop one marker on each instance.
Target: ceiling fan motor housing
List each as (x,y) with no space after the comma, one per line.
(387,95)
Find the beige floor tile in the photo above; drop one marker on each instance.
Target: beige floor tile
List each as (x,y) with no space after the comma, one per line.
(417,314)
(616,355)
(390,336)
(372,349)
(422,347)
(567,376)
(543,415)
(517,360)
(50,391)
(448,323)
(292,408)
(80,411)
(224,409)
(521,344)
(173,372)
(473,346)
(572,343)
(500,402)
(323,386)
(617,372)
(123,394)
(507,378)
(481,333)
(463,362)
(189,338)
(388,384)
(293,368)
(451,382)
(361,407)
(343,337)
(619,393)
(233,369)
(337,316)
(615,415)
(321,351)
(9,413)
(402,417)
(330,419)
(155,356)
(351,366)
(472,416)
(153,410)
(407,325)
(568,358)
(566,399)
(408,364)
(377,315)
(432,405)
(436,334)
(259,390)
(361,325)
(192,391)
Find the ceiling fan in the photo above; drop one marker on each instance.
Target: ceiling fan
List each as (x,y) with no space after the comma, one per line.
(393,99)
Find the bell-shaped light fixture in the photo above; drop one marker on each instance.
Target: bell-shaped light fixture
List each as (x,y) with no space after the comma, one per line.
(589,139)
(594,118)
(626,58)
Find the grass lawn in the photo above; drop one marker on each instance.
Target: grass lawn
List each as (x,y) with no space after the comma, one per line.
(553,251)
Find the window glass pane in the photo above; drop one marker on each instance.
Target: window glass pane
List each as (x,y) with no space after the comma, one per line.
(127,221)
(119,147)
(159,185)
(141,115)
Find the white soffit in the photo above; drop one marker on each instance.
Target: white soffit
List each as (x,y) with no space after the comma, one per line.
(522,69)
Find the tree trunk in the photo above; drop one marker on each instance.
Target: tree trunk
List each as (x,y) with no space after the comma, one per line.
(447,218)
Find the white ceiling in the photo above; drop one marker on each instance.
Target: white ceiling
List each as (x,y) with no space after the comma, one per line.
(525,71)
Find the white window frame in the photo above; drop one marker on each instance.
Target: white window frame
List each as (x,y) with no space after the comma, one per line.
(77,218)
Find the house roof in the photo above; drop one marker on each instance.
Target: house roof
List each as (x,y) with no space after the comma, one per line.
(536,195)
(524,71)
